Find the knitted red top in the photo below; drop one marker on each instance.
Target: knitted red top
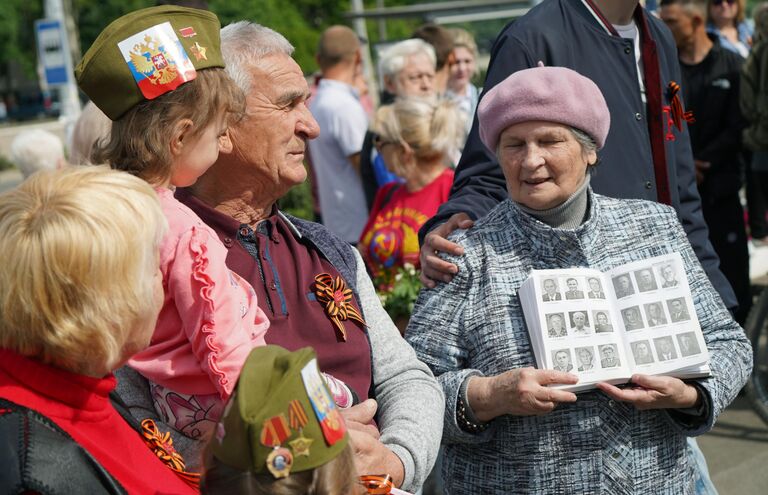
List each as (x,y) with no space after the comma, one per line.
(80,406)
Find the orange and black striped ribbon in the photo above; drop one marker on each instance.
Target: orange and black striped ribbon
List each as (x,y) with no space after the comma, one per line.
(377,484)
(337,300)
(161,445)
(297,416)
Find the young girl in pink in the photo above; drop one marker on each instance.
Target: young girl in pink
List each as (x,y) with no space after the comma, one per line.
(210,318)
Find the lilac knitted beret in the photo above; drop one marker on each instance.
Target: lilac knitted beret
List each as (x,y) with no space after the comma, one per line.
(550,94)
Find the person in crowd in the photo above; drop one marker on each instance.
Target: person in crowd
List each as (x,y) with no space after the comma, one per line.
(642,352)
(655,314)
(80,288)
(550,291)
(36,149)
(305,456)
(669,277)
(595,289)
(602,324)
(416,138)
(169,134)
(726,19)
(408,70)
(563,361)
(710,89)
(91,127)
(650,158)
(573,291)
(586,359)
(312,285)
(336,152)
(752,101)
(546,125)
(463,68)
(442,41)
(556,326)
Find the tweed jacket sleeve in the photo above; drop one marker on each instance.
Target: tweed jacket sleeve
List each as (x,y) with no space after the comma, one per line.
(410,401)
(729,349)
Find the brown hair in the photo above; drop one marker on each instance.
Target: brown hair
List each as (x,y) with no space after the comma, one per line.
(139,141)
(440,38)
(337,477)
(739,17)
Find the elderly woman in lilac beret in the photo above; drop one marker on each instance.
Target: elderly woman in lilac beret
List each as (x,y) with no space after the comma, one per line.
(505,429)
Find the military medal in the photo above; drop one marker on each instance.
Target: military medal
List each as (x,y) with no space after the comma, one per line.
(274,431)
(198,51)
(279,462)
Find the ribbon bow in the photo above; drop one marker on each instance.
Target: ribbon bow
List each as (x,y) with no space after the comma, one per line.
(377,484)
(675,110)
(162,446)
(337,299)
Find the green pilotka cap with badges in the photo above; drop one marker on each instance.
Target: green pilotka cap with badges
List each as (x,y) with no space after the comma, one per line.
(281,417)
(147,53)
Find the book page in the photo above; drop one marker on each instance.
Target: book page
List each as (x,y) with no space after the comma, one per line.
(658,316)
(573,325)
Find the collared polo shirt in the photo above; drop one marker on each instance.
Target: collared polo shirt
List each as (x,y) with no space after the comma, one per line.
(281,266)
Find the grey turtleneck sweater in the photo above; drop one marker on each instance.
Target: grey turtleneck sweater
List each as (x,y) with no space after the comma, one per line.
(568,215)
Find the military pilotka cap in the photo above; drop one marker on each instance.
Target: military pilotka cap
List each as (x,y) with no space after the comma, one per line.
(147,53)
(281,417)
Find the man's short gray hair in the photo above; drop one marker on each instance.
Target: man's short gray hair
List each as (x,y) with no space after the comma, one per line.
(36,150)
(393,59)
(244,44)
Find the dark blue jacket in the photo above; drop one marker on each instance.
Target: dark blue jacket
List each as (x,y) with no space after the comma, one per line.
(564,33)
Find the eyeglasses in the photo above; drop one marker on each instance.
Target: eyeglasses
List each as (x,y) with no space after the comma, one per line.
(720,2)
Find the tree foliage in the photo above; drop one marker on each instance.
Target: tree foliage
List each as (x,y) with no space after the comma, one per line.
(17,34)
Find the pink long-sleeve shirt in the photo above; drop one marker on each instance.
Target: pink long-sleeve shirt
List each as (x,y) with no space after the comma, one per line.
(210,318)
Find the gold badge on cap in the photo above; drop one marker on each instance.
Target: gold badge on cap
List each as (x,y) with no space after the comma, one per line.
(198,51)
(279,462)
(301,445)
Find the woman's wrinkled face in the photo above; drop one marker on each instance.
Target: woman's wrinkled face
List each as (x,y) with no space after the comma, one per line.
(542,162)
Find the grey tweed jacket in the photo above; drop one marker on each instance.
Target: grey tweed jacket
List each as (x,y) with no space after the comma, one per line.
(475,325)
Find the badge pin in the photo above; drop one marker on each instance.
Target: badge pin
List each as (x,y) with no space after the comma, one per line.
(187,32)
(279,462)
(198,51)
(301,445)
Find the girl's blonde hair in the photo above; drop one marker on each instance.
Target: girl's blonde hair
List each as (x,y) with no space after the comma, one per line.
(463,38)
(139,142)
(80,250)
(431,127)
(337,477)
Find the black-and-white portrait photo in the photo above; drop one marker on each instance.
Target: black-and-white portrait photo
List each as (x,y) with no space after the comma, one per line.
(622,284)
(688,344)
(645,280)
(654,314)
(562,359)
(595,288)
(609,358)
(556,325)
(550,290)
(665,348)
(641,350)
(602,322)
(579,323)
(585,357)
(632,318)
(678,311)
(668,276)
(574,291)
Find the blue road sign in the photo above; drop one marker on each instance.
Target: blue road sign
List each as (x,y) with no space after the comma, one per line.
(51,51)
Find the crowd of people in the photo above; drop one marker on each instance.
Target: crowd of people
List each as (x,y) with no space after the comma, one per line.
(156,296)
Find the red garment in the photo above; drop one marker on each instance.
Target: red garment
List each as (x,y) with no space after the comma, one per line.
(391,236)
(80,406)
(281,267)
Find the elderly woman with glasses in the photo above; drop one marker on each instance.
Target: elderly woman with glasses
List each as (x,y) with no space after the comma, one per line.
(505,429)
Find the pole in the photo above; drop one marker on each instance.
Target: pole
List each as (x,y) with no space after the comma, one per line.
(362,31)
(70,101)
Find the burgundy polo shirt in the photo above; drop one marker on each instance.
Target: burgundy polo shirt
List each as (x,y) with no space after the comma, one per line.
(282,268)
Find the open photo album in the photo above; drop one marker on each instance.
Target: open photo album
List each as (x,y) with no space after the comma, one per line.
(637,318)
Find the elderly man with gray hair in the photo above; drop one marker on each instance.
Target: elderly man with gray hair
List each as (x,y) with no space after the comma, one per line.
(312,285)
(34,150)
